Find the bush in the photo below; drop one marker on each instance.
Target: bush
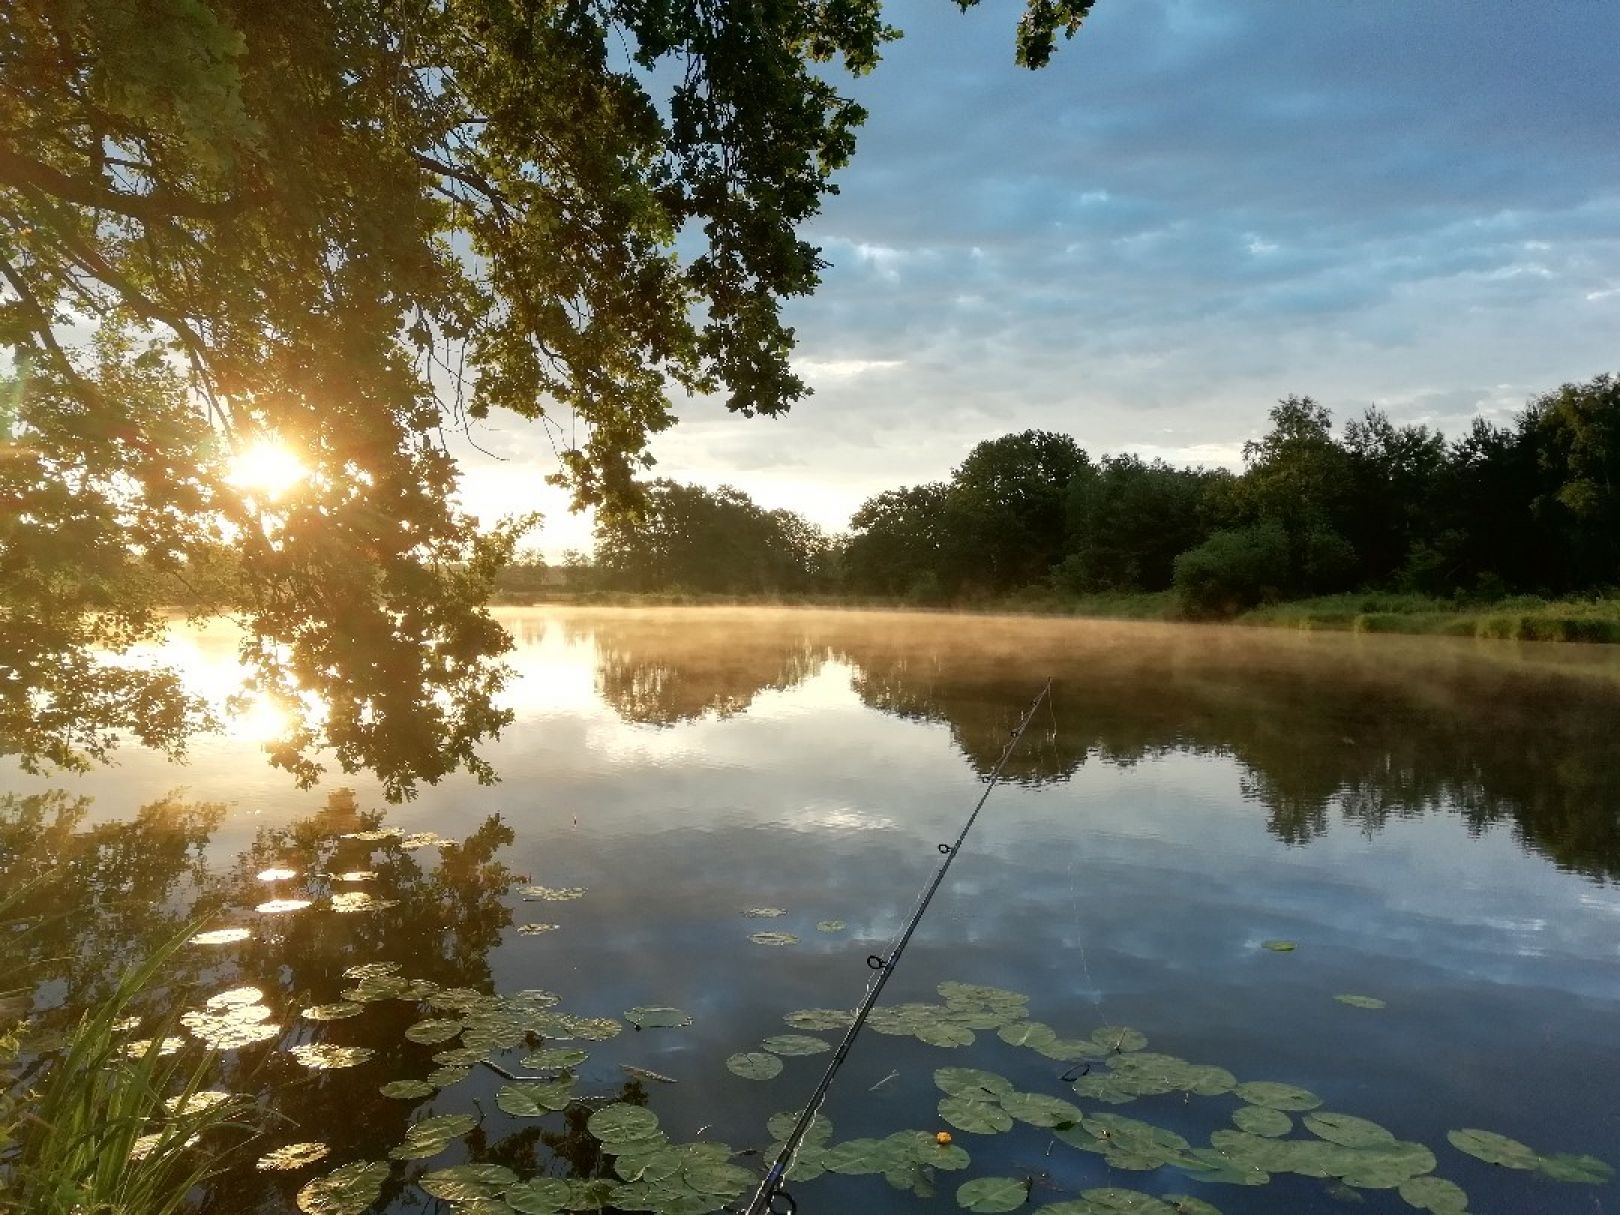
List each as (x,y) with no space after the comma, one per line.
(1232,570)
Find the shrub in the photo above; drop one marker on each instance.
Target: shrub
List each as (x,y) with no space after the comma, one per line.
(1232,570)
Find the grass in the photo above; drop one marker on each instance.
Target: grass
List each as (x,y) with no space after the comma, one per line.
(1521,618)
(99,1135)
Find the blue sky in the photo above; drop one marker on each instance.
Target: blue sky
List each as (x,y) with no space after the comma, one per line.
(1200,206)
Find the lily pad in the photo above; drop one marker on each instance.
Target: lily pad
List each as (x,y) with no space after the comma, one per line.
(434,1030)
(979,1117)
(773,938)
(943,1033)
(407,1090)
(552,894)
(1348,1131)
(444,1077)
(795,1044)
(468,1182)
(1277,1096)
(621,1124)
(221,936)
(820,1018)
(350,901)
(1567,1166)
(1032,1034)
(764,913)
(323,1056)
(540,1196)
(1186,1204)
(431,1136)
(830,925)
(292,1156)
(972,1083)
(1355,1001)
(554,1058)
(1258,1120)
(991,1194)
(657,1017)
(1494,1149)
(1112,1200)
(1278,946)
(1038,1109)
(281,906)
(333,1012)
(1435,1194)
(1112,1038)
(754,1065)
(535,930)
(347,1190)
(535,1099)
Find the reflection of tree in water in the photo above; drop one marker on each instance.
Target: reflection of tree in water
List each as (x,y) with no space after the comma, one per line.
(670,667)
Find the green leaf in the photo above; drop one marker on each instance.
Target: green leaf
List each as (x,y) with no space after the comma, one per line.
(433,1031)
(781,1126)
(541,1196)
(1112,1038)
(555,1058)
(535,1099)
(291,1156)
(1355,1001)
(1567,1166)
(1027,1033)
(657,1017)
(979,1117)
(333,1012)
(1278,946)
(1038,1109)
(1435,1194)
(991,1194)
(468,1182)
(1493,1148)
(972,1083)
(614,1124)
(942,1033)
(412,1090)
(764,913)
(819,1018)
(431,1136)
(857,1157)
(830,925)
(773,938)
(347,1190)
(1348,1130)
(795,1044)
(1112,1200)
(1186,1204)
(754,1065)
(1277,1096)
(1258,1120)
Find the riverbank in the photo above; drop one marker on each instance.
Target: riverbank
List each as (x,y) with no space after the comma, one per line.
(1521,618)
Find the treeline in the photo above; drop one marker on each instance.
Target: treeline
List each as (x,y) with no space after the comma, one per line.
(1531,507)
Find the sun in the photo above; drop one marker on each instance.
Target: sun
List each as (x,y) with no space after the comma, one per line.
(267,467)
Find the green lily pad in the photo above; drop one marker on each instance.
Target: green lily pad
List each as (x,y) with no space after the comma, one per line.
(657,1017)
(1493,1148)
(1186,1204)
(292,1156)
(540,1196)
(1115,1201)
(1032,1034)
(972,1083)
(555,1058)
(764,913)
(1278,946)
(347,1190)
(431,1136)
(323,1056)
(444,1077)
(1435,1194)
(552,894)
(620,1124)
(858,1157)
(1566,1166)
(1355,1001)
(979,1117)
(592,1029)
(1277,1096)
(1214,1166)
(1348,1130)
(459,1056)
(819,1018)
(407,1089)
(1112,1038)
(1258,1120)
(990,1194)
(333,1012)
(434,1030)
(468,1182)
(536,929)
(773,938)
(943,1033)
(1038,1109)
(795,1044)
(754,1065)
(830,925)
(535,1099)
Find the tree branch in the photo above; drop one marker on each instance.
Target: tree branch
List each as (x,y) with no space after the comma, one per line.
(156,207)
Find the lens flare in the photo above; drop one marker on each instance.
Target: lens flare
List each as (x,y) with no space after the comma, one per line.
(268,468)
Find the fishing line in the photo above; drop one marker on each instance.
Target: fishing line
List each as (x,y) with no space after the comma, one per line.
(771,1188)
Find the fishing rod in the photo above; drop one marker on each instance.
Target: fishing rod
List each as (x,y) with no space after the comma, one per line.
(771,1188)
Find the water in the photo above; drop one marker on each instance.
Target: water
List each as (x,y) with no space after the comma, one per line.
(1435,824)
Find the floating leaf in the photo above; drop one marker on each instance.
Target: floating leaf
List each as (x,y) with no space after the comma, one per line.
(431,1136)
(781,1126)
(773,938)
(1258,1120)
(277,875)
(830,925)
(1212,1165)
(553,1058)
(1435,1194)
(323,1056)
(1114,1201)
(459,1056)
(540,1196)
(592,1029)
(979,1117)
(1038,1109)
(1278,946)
(1278,1096)
(657,1017)
(347,1190)
(535,930)
(141,1047)
(764,913)
(372,970)
(434,1030)
(642,1073)
(355,875)
(819,1018)
(1186,1204)
(444,1077)
(1566,1166)
(468,1182)
(236,997)
(231,1028)
(351,901)
(795,1044)
(1355,1001)
(943,1033)
(971,1083)
(407,1089)
(622,1123)
(1119,1038)
(221,936)
(754,1065)
(552,894)
(1027,1033)
(281,907)
(990,1194)
(1493,1148)
(535,1099)
(424,839)
(293,1156)
(332,1012)
(1348,1130)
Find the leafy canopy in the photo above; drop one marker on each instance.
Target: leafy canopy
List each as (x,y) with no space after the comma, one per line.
(327,229)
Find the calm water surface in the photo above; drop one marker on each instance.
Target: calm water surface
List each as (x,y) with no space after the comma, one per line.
(1435,824)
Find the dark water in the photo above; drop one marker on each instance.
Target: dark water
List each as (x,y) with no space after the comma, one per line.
(1435,825)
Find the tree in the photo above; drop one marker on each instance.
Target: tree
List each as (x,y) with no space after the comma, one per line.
(897,541)
(1577,430)
(226,225)
(1395,474)
(1006,516)
(1128,521)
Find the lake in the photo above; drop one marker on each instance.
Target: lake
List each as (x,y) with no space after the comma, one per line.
(1433,826)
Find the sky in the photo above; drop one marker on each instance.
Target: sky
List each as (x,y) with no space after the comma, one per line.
(1199,207)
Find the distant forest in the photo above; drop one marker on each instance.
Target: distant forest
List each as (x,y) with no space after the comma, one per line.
(1532,507)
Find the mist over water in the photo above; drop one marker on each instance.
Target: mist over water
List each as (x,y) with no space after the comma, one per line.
(1435,824)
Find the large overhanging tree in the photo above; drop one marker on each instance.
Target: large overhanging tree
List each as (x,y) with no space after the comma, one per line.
(255,257)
